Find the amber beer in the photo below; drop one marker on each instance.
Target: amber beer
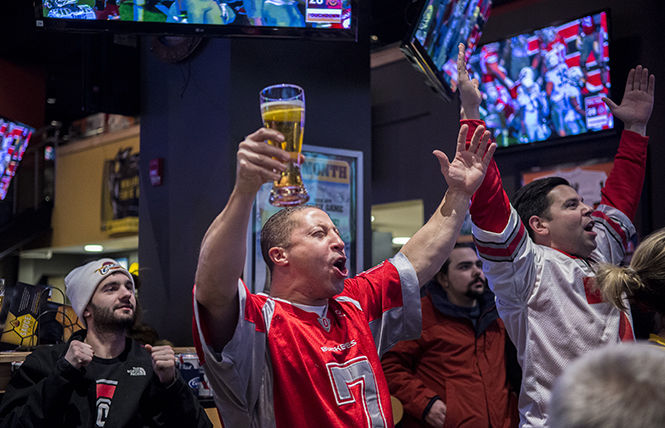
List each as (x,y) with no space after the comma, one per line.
(289,119)
(283,109)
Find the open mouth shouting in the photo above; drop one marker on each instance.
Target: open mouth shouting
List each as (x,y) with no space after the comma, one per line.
(589,227)
(340,266)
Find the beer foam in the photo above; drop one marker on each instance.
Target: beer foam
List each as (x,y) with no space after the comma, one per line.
(291,103)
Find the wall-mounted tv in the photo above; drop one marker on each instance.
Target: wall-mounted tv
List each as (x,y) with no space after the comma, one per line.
(316,19)
(431,45)
(14,138)
(548,83)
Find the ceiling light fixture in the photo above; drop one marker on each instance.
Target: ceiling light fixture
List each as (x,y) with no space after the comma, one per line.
(401,240)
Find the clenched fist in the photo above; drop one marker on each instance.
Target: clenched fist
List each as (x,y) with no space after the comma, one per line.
(163,363)
(79,354)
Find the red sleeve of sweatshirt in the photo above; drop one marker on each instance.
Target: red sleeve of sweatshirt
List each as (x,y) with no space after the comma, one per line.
(623,187)
(490,206)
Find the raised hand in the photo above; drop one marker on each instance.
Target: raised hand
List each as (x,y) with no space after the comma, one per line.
(637,103)
(468,89)
(259,162)
(79,354)
(467,170)
(163,363)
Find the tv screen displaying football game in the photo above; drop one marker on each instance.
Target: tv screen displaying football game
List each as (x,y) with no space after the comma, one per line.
(14,138)
(440,28)
(239,17)
(546,84)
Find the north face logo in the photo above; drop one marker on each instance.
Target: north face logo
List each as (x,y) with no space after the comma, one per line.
(136,371)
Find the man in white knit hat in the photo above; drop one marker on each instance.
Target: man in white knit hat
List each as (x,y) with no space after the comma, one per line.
(101,376)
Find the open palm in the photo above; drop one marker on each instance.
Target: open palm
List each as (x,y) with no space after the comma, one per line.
(637,103)
(467,170)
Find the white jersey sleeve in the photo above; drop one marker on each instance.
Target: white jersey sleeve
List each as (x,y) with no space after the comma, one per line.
(515,274)
(241,373)
(614,230)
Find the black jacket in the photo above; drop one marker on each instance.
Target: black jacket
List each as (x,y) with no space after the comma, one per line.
(48,391)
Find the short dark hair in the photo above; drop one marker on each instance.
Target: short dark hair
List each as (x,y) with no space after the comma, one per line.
(277,230)
(446,264)
(533,199)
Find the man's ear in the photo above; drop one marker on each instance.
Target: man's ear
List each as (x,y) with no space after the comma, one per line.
(442,279)
(278,256)
(540,227)
(86,311)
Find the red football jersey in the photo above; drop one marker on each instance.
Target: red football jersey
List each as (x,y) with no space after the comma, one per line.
(287,367)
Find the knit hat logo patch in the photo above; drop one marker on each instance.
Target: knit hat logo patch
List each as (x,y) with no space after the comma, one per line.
(107,267)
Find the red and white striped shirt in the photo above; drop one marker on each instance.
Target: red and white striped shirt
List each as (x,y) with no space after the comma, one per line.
(288,367)
(545,297)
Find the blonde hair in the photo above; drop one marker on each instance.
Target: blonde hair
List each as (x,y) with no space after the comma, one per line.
(643,281)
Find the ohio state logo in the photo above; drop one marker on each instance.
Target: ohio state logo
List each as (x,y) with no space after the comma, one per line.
(325,323)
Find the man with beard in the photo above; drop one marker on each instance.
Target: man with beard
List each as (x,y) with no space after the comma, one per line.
(455,373)
(101,376)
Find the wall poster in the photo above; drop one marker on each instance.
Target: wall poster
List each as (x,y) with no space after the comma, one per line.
(120,193)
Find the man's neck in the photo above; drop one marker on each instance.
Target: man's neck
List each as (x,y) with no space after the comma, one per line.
(287,287)
(462,301)
(105,344)
(297,298)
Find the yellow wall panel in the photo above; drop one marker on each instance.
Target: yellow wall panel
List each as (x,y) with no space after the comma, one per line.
(78,186)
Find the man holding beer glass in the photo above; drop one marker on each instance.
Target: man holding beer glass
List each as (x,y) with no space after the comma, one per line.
(308,353)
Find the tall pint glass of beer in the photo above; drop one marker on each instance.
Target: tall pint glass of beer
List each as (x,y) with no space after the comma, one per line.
(283,109)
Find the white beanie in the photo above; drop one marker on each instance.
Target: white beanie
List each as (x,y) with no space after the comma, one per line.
(80,284)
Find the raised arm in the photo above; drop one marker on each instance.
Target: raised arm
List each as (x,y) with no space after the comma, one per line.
(223,249)
(470,95)
(431,245)
(624,185)
(490,207)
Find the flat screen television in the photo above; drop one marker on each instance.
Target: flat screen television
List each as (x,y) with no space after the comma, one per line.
(546,84)
(431,45)
(14,139)
(316,19)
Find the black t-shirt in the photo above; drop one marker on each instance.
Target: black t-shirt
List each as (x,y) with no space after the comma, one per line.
(106,373)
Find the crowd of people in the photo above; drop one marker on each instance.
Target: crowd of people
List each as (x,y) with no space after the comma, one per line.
(520,328)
